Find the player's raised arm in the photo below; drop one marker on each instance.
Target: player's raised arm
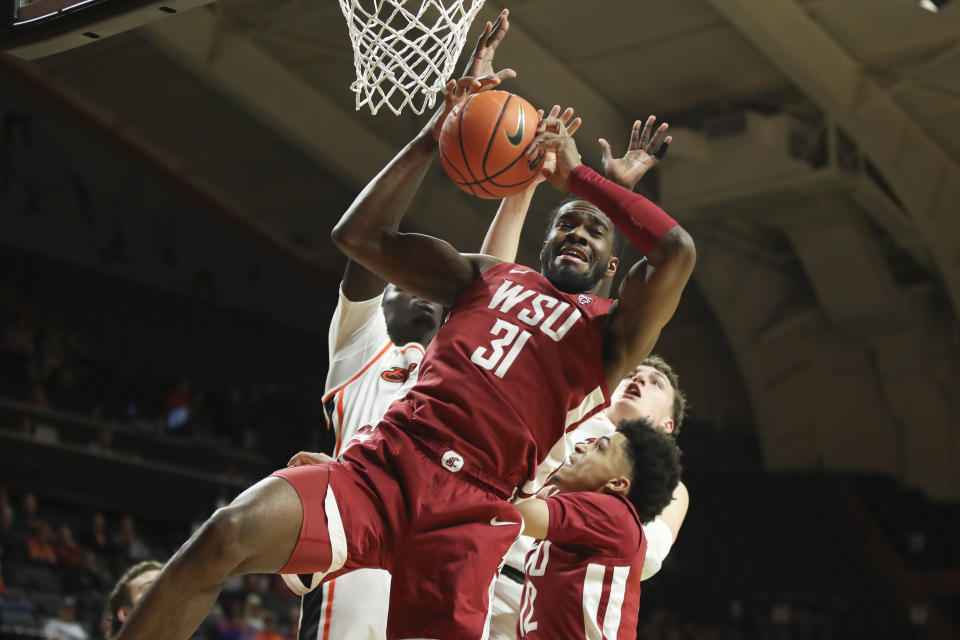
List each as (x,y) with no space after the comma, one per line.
(650,293)
(367,233)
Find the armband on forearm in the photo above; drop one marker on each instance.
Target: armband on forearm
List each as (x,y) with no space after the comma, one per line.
(641,221)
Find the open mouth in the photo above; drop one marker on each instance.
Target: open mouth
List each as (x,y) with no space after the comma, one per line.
(574,254)
(633,390)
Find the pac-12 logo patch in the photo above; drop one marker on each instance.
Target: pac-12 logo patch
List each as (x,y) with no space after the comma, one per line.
(398,374)
(452,461)
(582,299)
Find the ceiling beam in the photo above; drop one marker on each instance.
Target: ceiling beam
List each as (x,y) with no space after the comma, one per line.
(280,99)
(554,81)
(925,179)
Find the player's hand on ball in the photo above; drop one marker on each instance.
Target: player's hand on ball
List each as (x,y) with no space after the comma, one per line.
(307,457)
(550,157)
(553,136)
(645,150)
(456,93)
(481,63)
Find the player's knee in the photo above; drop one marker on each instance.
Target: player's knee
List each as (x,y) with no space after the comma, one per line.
(222,536)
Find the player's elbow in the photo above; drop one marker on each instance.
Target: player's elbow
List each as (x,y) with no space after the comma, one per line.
(678,248)
(346,237)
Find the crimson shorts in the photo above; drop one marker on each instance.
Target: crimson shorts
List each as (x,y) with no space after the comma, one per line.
(388,504)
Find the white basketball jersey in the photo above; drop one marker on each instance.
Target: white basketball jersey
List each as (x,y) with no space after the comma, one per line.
(367,371)
(659,537)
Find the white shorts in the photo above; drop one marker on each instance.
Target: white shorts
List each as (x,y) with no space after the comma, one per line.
(355,607)
(505,608)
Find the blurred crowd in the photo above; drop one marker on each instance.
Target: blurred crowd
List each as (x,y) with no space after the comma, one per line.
(47,367)
(56,575)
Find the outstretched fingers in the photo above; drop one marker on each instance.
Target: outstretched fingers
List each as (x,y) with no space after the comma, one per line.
(662,150)
(659,138)
(494,33)
(647,130)
(635,136)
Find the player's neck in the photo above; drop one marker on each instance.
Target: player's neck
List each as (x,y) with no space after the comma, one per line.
(412,334)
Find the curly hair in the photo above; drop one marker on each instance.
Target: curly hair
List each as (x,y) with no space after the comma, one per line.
(679,411)
(655,460)
(121,597)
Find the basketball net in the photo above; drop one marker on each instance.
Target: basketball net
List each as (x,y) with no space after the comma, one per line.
(404,51)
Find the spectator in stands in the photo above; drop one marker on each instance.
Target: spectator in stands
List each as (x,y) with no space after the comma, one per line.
(233,626)
(65,625)
(269,629)
(28,517)
(128,544)
(127,591)
(11,536)
(179,408)
(87,576)
(253,613)
(40,544)
(68,551)
(96,538)
(103,445)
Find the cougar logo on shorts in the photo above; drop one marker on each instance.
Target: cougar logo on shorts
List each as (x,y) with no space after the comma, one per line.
(582,299)
(452,461)
(398,374)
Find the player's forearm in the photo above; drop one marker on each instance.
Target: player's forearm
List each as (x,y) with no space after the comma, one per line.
(646,226)
(503,236)
(384,201)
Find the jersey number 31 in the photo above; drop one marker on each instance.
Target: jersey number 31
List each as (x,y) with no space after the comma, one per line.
(506,336)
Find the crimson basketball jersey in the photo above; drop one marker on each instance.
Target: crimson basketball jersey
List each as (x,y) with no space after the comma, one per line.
(584,581)
(517,365)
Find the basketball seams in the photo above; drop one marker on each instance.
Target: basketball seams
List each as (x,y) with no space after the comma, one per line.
(463,149)
(450,166)
(493,137)
(478,136)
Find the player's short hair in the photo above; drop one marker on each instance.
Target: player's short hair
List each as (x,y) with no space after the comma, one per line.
(619,240)
(121,596)
(655,460)
(679,411)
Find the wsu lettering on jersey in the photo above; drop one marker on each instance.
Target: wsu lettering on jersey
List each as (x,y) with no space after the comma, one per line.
(515,366)
(509,338)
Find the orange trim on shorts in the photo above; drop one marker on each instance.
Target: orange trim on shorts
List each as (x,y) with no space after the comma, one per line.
(326,622)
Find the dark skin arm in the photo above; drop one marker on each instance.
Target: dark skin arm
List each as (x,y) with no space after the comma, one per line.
(650,292)
(367,233)
(360,283)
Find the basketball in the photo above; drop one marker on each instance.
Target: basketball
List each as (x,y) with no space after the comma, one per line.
(483,141)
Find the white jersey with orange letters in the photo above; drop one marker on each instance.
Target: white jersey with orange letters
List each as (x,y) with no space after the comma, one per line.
(505,605)
(367,372)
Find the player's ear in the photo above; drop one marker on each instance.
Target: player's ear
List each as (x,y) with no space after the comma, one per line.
(612,266)
(122,613)
(668,425)
(618,484)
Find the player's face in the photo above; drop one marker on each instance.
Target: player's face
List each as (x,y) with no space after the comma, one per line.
(577,252)
(595,465)
(645,393)
(404,310)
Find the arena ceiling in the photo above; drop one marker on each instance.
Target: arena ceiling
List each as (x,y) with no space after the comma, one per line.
(816,155)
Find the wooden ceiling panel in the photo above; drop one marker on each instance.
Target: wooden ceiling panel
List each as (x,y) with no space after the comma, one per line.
(713,64)
(870,29)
